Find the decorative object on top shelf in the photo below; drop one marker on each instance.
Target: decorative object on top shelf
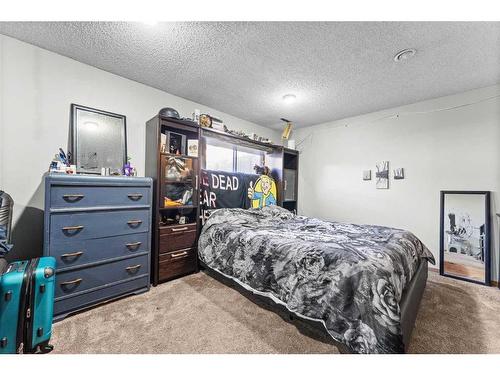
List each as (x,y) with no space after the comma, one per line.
(382,175)
(205,121)
(399,174)
(465,235)
(238,133)
(98,139)
(258,138)
(208,121)
(367,175)
(169,112)
(287,130)
(196,116)
(218,124)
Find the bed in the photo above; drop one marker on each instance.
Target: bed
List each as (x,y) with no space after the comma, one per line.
(362,283)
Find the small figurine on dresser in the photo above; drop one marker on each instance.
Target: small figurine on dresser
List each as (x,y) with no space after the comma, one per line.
(128,170)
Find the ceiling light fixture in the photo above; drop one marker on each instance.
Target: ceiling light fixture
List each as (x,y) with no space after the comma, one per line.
(150,22)
(405,54)
(289,98)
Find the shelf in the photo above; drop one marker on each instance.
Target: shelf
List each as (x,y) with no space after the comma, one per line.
(187,182)
(289,200)
(182,156)
(170,226)
(185,125)
(178,207)
(238,140)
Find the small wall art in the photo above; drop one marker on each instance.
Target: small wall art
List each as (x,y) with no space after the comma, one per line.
(399,174)
(367,175)
(382,175)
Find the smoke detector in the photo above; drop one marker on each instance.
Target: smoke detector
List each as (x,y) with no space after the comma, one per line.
(405,54)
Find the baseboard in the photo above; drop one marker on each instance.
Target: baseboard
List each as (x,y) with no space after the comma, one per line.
(436,270)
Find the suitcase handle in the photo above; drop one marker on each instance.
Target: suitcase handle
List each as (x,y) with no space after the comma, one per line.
(70,255)
(133,245)
(133,268)
(73,228)
(75,281)
(135,196)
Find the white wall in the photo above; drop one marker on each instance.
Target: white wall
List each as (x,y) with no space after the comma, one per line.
(36,90)
(456,149)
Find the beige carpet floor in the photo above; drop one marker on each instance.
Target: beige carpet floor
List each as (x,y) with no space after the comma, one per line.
(197,314)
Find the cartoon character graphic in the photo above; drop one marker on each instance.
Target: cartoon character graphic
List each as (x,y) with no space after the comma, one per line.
(263,193)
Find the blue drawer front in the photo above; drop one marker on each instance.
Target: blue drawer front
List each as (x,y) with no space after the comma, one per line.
(72,253)
(79,301)
(95,196)
(97,224)
(68,283)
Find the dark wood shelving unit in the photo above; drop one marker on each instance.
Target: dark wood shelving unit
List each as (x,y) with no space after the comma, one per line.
(290,179)
(173,245)
(283,162)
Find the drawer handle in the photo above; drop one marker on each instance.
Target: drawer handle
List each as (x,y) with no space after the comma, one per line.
(70,255)
(75,281)
(134,222)
(179,229)
(74,228)
(133,268)
(181,254)
(73,197)
(135,196)
(134,245)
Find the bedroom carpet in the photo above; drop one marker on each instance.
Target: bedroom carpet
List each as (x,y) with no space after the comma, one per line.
(197,314)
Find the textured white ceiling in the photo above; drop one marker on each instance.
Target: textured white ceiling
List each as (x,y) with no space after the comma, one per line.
(336,69)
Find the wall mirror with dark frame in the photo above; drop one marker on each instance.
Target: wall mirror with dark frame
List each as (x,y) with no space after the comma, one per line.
(465,236)
(98,139)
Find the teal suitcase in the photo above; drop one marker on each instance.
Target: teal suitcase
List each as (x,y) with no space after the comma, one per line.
(26,305)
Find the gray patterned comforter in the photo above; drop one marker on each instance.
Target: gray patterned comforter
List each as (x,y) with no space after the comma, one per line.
(350,277)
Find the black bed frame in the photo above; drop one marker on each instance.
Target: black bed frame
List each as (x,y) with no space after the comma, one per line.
(410,303)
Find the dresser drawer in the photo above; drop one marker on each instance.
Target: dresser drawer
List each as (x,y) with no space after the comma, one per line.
(95,196)
(74,302)
(178,237)
(71,253)
(97,224)
(177,263)
(95,276)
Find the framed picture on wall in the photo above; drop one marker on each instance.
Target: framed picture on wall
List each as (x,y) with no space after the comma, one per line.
(465,236)
(98,139)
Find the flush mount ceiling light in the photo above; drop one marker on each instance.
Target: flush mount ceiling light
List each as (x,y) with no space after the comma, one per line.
(405,54)
(150,22)
(289,98)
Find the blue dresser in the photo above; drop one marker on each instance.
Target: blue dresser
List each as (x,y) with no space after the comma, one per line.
(99,231)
